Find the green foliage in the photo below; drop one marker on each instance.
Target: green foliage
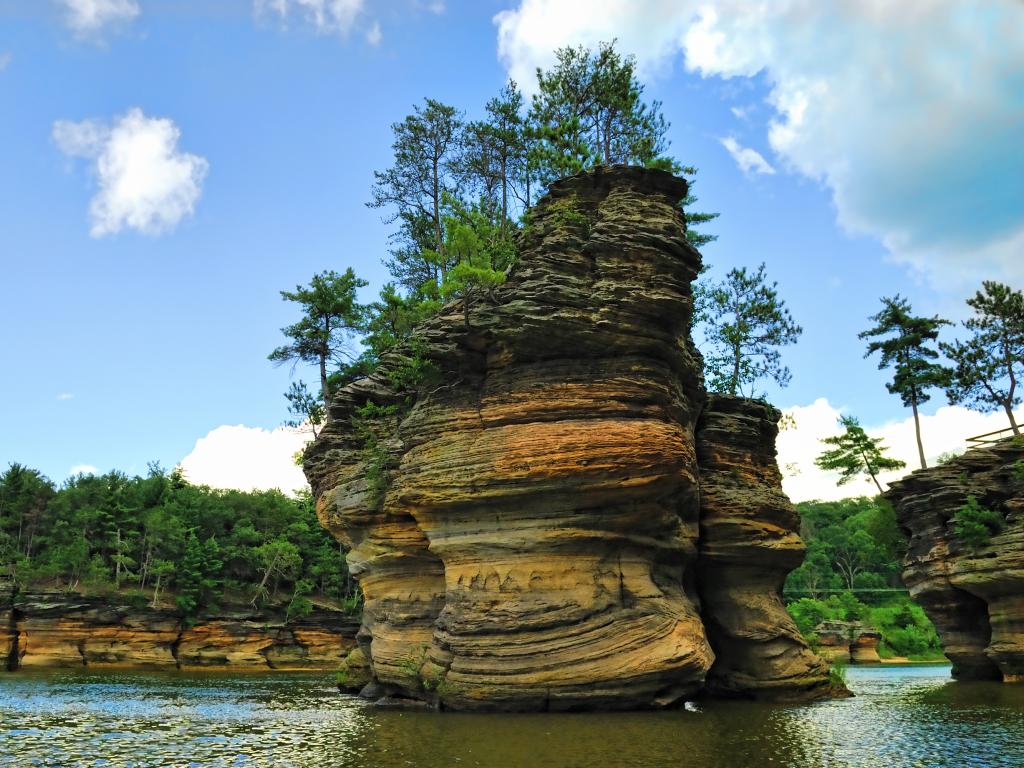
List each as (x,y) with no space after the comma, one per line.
(856,453)
(744,322)
(373,425)
(837,673)
(905,345)
(974,525)
(161,536)
(989,364)
(304,408)
(331,314)
(947,456)
(851,573)
(1018,469)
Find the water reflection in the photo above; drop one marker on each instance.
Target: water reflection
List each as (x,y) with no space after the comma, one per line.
(901,718)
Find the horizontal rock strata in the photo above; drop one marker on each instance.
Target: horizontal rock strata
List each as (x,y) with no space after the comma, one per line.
(57,629)
(748,544)
(524,518)
(973,595)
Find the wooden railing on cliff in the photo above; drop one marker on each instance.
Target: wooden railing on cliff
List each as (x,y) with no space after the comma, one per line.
(989,437)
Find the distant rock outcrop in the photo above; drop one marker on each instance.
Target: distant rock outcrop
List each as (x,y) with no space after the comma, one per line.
(849,642)
(520,493)
(972,591)
(40,629)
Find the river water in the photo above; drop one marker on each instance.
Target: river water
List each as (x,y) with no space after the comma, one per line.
(902,717)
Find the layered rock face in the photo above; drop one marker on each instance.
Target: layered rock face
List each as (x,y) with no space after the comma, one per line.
(748,544)
(974,596)
(56,629)
(524,520)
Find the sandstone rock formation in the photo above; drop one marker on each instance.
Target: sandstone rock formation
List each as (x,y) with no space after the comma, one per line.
(57,629)
(748,544)
(848,642)
(519,486)
(974,596)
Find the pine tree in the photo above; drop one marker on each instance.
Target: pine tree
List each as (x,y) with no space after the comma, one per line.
(989,364)
(904,342)
(331,314)
(745,323)
(856,453)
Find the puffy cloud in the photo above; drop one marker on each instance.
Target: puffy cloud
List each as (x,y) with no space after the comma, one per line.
(326,16)
(88,18)
(942,432)
(910,113)
(145,182)
(82,469)
(247,458)
(749,160)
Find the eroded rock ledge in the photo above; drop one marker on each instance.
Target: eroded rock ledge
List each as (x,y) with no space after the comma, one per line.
(527,523)
(58,629)
(973,595)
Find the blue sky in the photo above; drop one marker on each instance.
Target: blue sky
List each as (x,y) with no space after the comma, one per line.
(131,332)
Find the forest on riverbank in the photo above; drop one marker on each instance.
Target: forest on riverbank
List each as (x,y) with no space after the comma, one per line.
(164,541)
(852,573)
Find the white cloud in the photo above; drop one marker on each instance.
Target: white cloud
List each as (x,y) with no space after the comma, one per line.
(910,113)
(145,182)
(247,458)
(942,432)
(326,16)
(374,35)
(746,158)
(82,469)
(64,396)
(740,113)
(88,18)
(5,60)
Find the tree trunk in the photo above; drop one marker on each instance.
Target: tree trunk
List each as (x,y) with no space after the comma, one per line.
(1008,406)
(156,590)
(917,433)
(266,577)
(117,562)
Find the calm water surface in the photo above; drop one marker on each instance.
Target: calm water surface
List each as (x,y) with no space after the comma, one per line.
(901,717)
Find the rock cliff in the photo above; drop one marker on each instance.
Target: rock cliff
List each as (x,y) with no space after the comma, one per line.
(520,493)
(748,545)
(974,594)
(57,629)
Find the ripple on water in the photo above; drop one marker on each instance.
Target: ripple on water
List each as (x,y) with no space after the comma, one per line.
(902,717)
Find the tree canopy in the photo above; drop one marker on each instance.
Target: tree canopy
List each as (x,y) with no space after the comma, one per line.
(856,453)
(165,540)
(906,344)
(989,364)
(331,315)
(745,324)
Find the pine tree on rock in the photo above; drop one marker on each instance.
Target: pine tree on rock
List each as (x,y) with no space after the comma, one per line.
(904,343)
(988,366)
(331,315)
(745,322)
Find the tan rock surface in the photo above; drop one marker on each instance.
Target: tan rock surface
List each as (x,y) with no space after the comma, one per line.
(525,524)
(57,629)
(749,542)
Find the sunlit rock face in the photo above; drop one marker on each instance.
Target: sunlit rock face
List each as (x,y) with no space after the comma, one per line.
(45,629)
(748,544)
(973,595)
(524,521)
